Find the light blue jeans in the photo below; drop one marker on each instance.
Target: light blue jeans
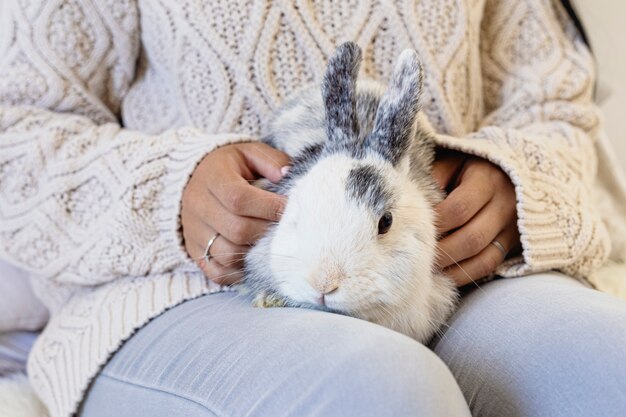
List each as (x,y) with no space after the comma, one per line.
(543,345)
(14,349)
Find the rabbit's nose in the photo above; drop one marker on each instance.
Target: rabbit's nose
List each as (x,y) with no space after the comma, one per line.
(326,283)
(329,288)
(322,299)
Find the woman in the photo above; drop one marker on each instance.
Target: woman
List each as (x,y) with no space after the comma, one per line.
(110,219)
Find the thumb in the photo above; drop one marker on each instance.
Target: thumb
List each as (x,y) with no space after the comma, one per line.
(266,161)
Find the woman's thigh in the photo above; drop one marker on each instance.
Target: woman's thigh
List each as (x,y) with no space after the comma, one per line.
(543,345)
(217,355)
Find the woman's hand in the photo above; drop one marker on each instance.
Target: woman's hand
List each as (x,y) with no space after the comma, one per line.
(479,209)
(219,198)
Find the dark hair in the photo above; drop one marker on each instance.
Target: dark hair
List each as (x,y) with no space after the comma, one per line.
(571,11)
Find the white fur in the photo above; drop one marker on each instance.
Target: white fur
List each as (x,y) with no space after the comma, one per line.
(17,398)
(387,279)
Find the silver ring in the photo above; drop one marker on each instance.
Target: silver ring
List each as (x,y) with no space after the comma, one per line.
(499,246)
(207,255)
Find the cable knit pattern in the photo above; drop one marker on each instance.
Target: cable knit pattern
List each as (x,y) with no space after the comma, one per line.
(101,125)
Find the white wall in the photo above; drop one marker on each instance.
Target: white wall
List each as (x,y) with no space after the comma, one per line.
(605,22)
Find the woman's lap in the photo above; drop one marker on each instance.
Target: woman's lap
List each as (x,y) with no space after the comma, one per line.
(541,345)
(538,345)
(217,355)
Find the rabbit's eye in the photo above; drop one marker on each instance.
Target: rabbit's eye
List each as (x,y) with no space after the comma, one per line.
(385,223)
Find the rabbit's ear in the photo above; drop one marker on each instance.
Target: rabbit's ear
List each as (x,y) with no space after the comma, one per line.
(395,117)
(338,92)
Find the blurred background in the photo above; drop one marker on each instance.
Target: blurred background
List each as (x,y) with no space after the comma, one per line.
(605,23)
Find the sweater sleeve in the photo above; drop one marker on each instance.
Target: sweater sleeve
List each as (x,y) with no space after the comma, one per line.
(83,200)
(540,127)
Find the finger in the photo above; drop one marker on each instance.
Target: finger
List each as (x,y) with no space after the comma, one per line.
(227,254)
(243,199)
(195,251)
(223,250)
(220,274)
(446,168)
(189,223)
(240,230)
(482,264)
(265,160)
(462,204)
(473,237)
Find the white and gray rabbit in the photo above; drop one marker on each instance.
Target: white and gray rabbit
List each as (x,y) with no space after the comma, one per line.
(357,236)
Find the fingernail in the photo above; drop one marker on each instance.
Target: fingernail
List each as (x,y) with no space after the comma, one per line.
(285,170)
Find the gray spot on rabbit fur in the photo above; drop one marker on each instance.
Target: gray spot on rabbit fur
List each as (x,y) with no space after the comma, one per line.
(301,164)
(367,187)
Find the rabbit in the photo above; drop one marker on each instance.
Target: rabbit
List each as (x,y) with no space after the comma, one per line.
(357,235)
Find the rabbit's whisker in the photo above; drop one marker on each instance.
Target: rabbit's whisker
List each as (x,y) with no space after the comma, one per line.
(462,270)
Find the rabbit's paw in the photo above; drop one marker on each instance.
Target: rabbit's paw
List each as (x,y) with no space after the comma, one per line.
(268,300)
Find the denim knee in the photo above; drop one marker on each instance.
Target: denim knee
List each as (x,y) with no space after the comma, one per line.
(539,345)
(383,374)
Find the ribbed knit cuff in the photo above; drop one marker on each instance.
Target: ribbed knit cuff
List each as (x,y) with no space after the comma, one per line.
(558,226)
(180,164)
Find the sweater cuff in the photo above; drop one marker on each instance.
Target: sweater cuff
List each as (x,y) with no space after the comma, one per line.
(192,147)
(557,224)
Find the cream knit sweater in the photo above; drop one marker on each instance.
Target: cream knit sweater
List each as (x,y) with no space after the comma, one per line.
(107,106)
